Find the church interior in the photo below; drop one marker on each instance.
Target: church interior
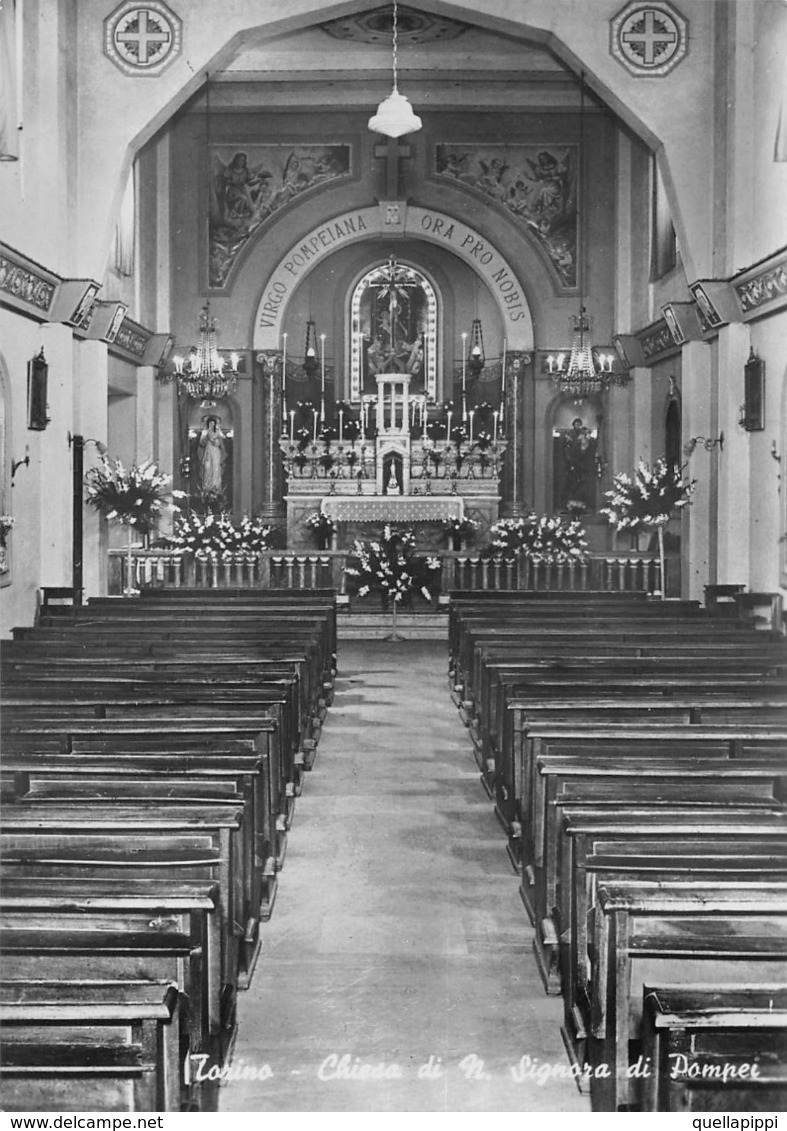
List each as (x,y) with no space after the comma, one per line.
(310,274)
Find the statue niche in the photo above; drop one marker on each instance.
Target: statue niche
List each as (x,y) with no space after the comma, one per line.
(394,328)
(574,467)
(211,442)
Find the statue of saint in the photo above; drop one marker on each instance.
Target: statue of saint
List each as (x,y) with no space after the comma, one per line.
(212,449)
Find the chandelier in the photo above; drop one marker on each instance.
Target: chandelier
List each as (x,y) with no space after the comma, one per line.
(395,115)
(205,374)
(582,376)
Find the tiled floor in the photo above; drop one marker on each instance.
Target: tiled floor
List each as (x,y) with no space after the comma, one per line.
(398,958)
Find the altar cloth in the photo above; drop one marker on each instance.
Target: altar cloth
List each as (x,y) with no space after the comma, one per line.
(392,508)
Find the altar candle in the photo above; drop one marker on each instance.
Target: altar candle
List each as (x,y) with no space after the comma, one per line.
(471,413)
(495,415)
(448,427)
(503,380)
(314,410)
(464,359)
(292,425)
(424,418)
(322,361)
(341,425)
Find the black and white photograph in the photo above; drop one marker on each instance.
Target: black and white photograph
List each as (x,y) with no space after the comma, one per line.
(393,561)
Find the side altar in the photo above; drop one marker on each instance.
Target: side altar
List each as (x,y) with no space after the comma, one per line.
(396,463)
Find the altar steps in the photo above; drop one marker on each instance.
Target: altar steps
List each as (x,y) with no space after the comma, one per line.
(376,626)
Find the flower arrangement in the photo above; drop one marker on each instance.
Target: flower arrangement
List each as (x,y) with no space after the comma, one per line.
(6,522)
(390,566)
(131,497)
(556,542)
(214,537)
(458,530)
(546,538)
(321,523)
(648,498)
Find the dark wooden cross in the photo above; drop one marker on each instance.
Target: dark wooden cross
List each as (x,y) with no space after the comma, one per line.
(392,151)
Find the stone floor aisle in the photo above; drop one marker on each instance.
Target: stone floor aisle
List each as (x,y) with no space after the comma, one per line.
(398,940)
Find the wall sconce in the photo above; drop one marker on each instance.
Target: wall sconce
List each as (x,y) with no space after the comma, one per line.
(81,442)
(17,463)
(37,382)
(708,445)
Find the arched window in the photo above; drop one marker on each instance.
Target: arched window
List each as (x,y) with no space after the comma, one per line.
(393,320)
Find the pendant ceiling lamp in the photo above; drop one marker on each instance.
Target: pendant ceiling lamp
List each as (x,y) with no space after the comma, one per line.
(206,374)
(395,115)
(582,376)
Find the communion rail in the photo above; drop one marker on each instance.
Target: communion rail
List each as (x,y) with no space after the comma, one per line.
(624,571)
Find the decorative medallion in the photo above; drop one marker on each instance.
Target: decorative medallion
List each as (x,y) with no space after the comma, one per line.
(376,26)
(142,39)
(649,39)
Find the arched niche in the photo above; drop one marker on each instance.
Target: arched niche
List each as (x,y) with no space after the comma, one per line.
(393,320)
(576,435)
(211,455)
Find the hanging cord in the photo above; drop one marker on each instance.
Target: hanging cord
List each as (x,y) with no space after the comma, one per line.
(395,43)
(581,196)
(207,170)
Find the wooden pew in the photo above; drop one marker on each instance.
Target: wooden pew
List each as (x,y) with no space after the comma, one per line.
(90,1045)
(701,1042)
(187,841)
(644,930)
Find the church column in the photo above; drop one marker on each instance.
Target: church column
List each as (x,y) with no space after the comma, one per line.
(735,564)
(700,419)
(91,421)
(518,390)
(268,379)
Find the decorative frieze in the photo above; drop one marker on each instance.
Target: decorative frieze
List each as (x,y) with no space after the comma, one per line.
(656,340)
(132,338)
(764,287)
(24,284)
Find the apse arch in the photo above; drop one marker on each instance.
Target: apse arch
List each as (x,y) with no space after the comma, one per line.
(602,75)
(365,224)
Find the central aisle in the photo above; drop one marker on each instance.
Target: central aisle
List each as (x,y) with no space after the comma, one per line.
(398,934)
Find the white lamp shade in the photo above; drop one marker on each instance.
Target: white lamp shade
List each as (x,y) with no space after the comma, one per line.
(395,116)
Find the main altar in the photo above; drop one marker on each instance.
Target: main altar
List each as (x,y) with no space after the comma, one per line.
(397,459)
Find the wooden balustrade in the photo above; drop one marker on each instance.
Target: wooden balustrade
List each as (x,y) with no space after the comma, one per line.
(282,569)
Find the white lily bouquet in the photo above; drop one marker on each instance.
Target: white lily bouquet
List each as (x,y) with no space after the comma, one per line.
(133,497)
(648,498)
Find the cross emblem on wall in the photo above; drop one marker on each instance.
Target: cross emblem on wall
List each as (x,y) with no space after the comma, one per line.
(142,39)
(649,39)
